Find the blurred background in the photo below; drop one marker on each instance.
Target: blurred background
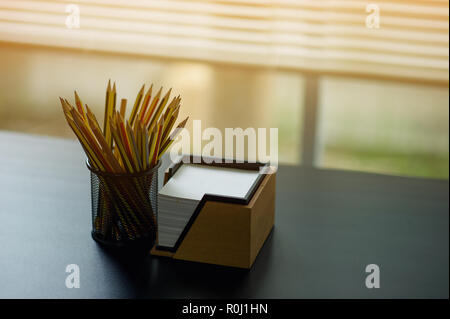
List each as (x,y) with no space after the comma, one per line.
(349,86)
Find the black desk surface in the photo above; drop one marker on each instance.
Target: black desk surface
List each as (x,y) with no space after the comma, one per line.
(329,225)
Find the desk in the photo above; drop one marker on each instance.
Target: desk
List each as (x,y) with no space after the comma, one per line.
(329,225)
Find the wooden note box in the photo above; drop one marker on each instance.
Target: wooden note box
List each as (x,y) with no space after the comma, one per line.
(225,230)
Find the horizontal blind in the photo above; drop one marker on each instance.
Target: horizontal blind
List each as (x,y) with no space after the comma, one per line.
(327,37)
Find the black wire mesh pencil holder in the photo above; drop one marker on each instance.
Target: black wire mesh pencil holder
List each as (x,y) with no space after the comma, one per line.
(124,207)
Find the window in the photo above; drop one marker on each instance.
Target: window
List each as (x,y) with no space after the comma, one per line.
(384,127)
(312,68)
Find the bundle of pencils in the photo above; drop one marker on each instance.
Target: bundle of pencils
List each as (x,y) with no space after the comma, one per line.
(121,153)
(126,145)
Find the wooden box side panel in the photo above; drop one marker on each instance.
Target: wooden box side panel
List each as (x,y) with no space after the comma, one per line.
(220,235)
(161,253)
(262,215)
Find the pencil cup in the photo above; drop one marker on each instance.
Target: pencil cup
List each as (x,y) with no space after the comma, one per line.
(124,207)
